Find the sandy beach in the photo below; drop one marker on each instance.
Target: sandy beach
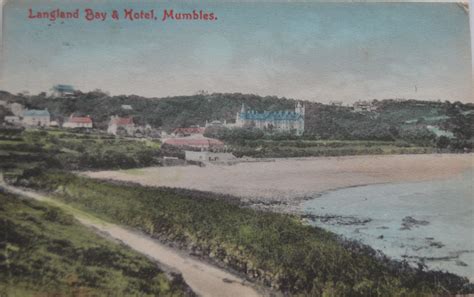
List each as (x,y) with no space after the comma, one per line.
(290,180)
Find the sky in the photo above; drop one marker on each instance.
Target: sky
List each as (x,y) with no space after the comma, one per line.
(306,50)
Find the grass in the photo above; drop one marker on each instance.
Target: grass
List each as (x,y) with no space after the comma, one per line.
(274,249)
(74,150)
(314,148)
(45,252)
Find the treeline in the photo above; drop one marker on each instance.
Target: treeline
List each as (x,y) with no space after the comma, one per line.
(393,119)
(274,249)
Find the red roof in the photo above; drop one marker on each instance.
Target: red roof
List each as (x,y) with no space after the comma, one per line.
(197,142)
(122,121)
(80,120)
(191,130)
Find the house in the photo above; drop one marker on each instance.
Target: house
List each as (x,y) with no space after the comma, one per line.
(117,124)
(78,122)
(217,123)
(201,143)
(14,120)
(207,156)
(361,106)
(34,117)
(291,121)
(64,90)
(193,130)
(127,107)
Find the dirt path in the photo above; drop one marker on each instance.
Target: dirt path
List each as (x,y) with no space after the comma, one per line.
(203,278)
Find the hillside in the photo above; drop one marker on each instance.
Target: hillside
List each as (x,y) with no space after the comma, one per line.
(393,119)
(273,249)
(22,148)
(46,252)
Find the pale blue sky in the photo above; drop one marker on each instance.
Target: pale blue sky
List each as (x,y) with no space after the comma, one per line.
(314,51)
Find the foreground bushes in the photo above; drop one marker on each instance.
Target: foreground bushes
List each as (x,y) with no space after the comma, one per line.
(274,249)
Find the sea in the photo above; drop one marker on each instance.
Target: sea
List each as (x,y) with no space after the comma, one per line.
(430,222)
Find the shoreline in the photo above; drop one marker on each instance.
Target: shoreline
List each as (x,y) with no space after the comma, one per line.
(386,221)
(288,182)
(343,243)
(292,206)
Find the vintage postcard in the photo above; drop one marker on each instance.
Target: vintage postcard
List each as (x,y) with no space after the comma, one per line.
(236,148)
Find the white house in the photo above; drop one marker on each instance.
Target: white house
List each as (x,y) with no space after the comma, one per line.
(78,122)
(217,123)
(34,117)
(14,120)
(207,156)
(116,123)
(361,106)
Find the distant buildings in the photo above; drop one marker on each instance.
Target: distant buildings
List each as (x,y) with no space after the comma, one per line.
(207,156)
(217,123)
(39,118)
(183,132)
(14,120)
(336,103)
(117,124)
(361,106)
(291,121)
(64,91)
(78,122)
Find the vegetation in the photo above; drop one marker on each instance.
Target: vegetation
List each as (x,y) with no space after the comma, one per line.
(389,122)
(275,249)
(20,148)
(253,143)
(45,252)
(316,148)
(405,122)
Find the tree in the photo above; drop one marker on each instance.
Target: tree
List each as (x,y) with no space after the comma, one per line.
(443,142)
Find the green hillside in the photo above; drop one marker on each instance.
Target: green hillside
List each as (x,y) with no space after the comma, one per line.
(393,119)
(53,148)
(275,249)
(45,252)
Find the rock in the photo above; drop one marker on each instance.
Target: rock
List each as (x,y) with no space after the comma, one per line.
(336,219)
(437,244)
(409,222)
(461,263)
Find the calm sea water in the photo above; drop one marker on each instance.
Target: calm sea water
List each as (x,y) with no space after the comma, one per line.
(423,221)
